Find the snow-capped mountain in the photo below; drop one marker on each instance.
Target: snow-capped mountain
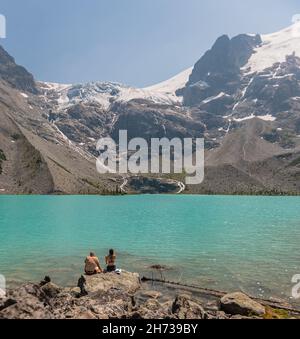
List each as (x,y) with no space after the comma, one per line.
(229,64)
(107,93)
(274,48)
(242,96)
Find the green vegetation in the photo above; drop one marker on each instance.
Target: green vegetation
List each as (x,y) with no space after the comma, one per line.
(2,155)
(285,138)
(2,158)
(295,162)
(176,176)
(270,193)
(284,156)
(15,136)
(116,191)
(273,313)
(272,137)
(103,191)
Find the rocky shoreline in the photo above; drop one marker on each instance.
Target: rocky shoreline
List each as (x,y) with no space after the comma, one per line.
(124,296)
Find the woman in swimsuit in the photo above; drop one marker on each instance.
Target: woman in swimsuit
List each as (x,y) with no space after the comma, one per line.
(110,260)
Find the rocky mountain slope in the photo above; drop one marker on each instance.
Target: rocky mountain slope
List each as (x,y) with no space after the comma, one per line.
(242,96)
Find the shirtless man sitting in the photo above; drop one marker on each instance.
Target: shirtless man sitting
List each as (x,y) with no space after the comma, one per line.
(92,265)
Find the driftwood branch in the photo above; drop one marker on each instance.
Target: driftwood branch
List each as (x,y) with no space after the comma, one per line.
(220,294)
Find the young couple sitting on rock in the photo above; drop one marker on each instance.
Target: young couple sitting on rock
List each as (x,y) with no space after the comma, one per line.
(92,264)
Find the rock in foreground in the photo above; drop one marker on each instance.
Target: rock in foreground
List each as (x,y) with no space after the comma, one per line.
(113,296)
(127,282)
(239,303)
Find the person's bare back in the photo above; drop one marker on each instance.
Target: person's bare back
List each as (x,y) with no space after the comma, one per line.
(92,265)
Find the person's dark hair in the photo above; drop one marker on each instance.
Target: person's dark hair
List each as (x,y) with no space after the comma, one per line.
(92,254)
(111,252)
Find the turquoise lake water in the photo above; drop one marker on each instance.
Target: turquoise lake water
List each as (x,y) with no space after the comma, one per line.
(221,242)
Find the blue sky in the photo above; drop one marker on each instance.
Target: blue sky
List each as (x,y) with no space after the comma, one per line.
(137,42)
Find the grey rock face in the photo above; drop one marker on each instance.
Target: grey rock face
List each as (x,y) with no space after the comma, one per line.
(17,76)
(277,83)
(219,69)
(153,121)
(217,105)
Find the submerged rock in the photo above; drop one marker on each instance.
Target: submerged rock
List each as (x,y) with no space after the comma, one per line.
(185,308)
(151,294)
(240,304)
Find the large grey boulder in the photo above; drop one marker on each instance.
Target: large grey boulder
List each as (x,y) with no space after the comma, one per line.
(27,302)
(240,304)
(42,302)
(51,290)
(126,282)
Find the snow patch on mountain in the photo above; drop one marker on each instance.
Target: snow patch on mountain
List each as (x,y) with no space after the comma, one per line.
(267,117)
(105,93)
(275,47)
(219,96)
(161,93)
(172,85)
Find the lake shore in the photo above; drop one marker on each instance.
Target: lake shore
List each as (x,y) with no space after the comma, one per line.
(248,244)
(125,296)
